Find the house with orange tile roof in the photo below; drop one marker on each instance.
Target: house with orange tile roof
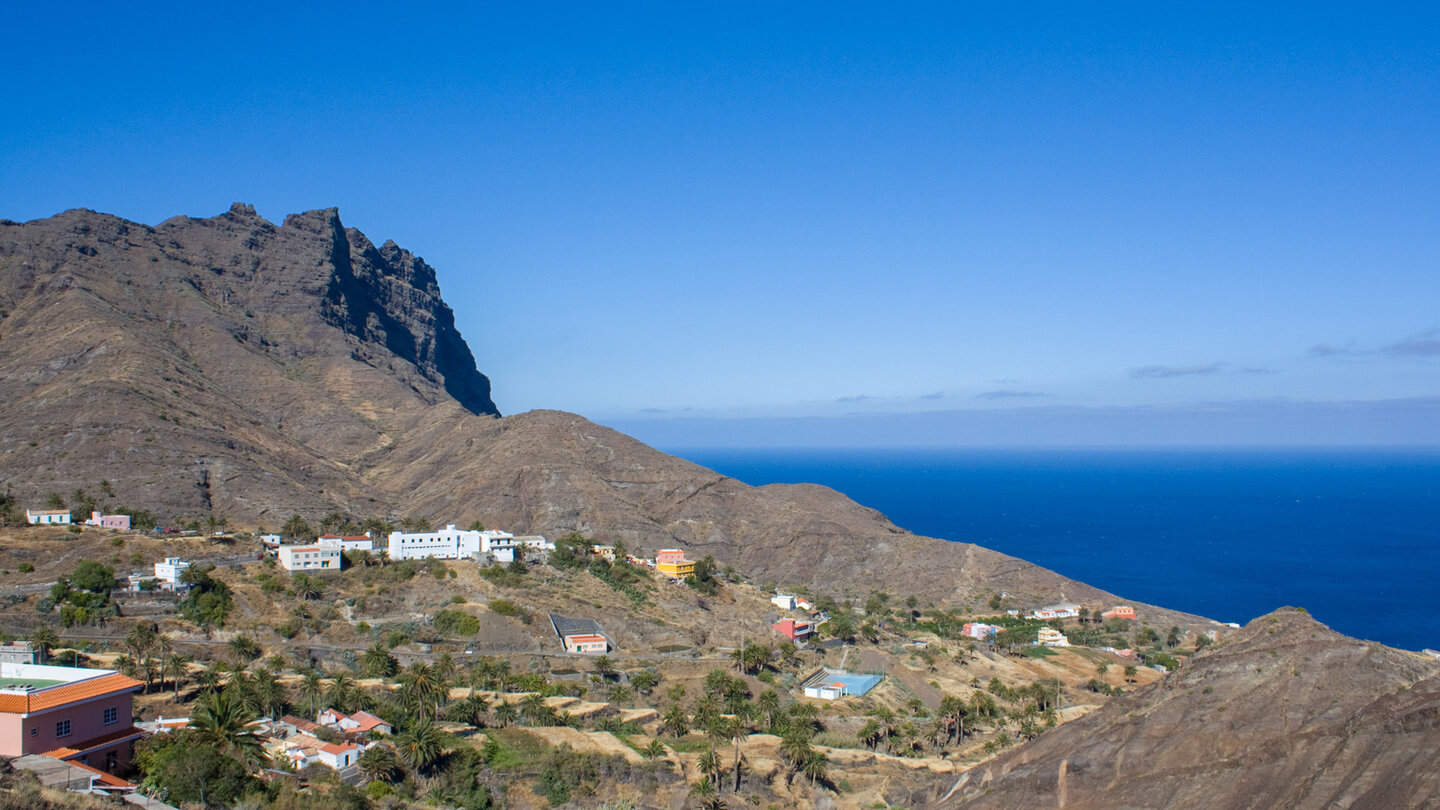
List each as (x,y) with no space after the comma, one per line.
(358,723)
(69,713)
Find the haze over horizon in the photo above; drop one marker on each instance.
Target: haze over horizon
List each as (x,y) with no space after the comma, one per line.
(757,226)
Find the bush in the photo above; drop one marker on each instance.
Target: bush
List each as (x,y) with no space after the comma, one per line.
(455,623)
(27,568)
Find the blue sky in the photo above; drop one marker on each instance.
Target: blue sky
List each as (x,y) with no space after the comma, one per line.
(746,214)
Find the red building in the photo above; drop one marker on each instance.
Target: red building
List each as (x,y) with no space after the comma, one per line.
(795,629)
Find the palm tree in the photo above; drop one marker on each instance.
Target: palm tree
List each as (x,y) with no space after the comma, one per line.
(422,688)
(795,750)
(377,662)
(140,640)
(536,710)
(710,764)
(43,641)
(244,649)
(736,730)
(222,719)
(505,714)
(176,668)
(312,692)
(769,706)
(420,747)
(707,712)
(342,692)
(269,694)
(377,763)
(675,721)
(165,648)
(654,750)
(472,710)
(816,766)
(705,793)
(870,733)
(209,679)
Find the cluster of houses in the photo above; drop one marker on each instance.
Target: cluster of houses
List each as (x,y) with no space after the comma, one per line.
(61,517)
(800,631)
(449,543)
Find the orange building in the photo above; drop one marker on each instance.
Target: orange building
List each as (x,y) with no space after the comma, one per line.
(1119,612)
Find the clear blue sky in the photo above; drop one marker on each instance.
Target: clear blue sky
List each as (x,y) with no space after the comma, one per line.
(747,212)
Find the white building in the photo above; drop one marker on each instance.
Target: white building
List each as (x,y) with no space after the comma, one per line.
(534,542)
(309,558)
(357,542)
(169,570)
(451,543)
(47,517)
(1065,610)
(783,601)
(1049,637)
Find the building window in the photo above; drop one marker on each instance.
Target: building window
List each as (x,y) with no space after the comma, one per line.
(111,715)
(62,728)
(34,732)
(112,759)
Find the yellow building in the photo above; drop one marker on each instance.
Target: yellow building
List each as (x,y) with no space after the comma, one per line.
(672,563)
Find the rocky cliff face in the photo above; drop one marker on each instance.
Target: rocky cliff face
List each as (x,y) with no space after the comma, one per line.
(1285,714)
(231,368)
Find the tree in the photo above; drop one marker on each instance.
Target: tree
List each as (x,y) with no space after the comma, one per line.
(423,690)
(93,577)
(709,763)
(245,649)
(645,681)
(1172,639)
(536,711)
(55,501)
(505,714)
(675,721)
(312,692)
(377,763)
(604,667)
(420,747)
(176,668)
(377,662)
(795,750)
(705,793)
(817,767)
(296,528)
(222,719)
(190,770)
(307,587)
(1130,672)
(43,640)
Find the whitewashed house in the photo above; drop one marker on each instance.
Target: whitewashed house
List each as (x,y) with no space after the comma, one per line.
(47,517)
(783,601)
(309,558)
(349,542)
(169,571)
(451,543)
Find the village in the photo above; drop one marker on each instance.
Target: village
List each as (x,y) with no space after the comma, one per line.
(639,671)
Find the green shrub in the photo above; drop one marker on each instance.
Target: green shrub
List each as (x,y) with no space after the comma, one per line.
(455,623)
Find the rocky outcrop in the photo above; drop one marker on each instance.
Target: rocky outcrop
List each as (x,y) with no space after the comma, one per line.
(1285,714)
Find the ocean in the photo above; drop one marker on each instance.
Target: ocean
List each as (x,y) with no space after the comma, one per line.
(1353,536)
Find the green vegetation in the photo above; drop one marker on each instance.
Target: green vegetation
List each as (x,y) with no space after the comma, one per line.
(209,601)
(84,596)
(455,623)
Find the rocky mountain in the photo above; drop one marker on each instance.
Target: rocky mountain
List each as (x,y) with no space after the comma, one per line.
(1286,713)
(230,367)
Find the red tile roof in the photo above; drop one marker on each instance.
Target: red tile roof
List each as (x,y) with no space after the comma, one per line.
(106,779)
(367,721)
(331,748)
(42,699)
(67,751)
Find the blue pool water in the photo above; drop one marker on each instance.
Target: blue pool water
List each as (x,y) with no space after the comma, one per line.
(1351,535)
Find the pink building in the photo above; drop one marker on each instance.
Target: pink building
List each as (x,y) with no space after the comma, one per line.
(1119,612)
(109,521)
(979,630)
(69,713)
(588,643)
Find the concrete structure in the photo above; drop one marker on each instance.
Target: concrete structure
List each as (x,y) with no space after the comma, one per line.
(69,713)
(17,652)
(1119,612)
(606,553)
(271,540)
(979,630)
(169,571)
(534,542)
(352,542)
(797,630)
(672,563)
(72,776)
(1049,637)
(108,521)
(309,558)
(1064,610)
(451,543)
(47,517)
(783,601)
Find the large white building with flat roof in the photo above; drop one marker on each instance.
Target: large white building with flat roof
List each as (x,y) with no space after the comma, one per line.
(451,543)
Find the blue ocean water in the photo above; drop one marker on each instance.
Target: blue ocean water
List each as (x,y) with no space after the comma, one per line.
(1353,536)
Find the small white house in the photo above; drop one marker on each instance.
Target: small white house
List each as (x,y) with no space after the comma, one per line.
(169,571)
(309,558)
(783,601)
(339,756)
(47,517)
(829,691)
